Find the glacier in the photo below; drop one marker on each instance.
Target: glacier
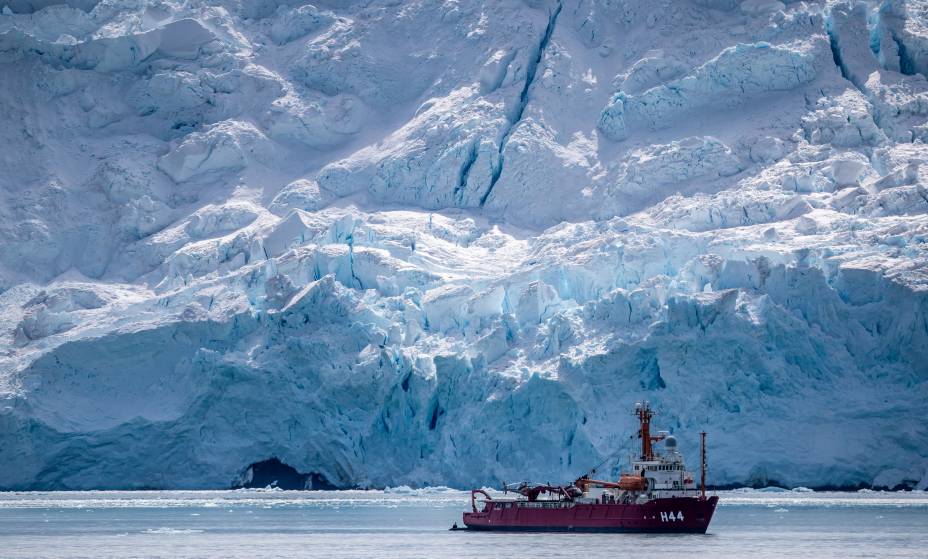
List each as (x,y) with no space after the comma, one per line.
(451,242)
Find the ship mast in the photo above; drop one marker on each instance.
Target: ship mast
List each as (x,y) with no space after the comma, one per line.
(702,466)
(644,413)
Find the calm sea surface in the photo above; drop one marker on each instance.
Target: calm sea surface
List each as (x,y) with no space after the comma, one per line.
(414,523)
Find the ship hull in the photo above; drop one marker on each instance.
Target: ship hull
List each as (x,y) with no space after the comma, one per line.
(680,515)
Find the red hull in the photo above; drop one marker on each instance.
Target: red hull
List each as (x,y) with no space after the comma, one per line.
(671,515)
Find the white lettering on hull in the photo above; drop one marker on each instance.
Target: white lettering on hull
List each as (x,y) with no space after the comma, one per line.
(671,517)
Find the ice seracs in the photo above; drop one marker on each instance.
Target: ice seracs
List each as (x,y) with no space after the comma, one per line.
(240,232)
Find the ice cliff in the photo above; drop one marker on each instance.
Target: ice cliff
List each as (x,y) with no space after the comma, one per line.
(453,241)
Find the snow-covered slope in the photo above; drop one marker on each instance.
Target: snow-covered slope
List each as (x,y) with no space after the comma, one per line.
(452,242)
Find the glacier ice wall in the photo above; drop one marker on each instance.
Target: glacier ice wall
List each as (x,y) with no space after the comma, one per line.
(451,242)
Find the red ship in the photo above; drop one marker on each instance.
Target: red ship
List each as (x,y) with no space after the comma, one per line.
(657,496)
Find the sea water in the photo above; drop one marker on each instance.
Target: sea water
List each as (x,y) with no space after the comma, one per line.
(414,523)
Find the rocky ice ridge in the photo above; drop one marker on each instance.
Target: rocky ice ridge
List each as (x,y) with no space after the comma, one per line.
(451,242)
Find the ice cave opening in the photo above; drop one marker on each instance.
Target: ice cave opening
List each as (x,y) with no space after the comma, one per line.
(274,473)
